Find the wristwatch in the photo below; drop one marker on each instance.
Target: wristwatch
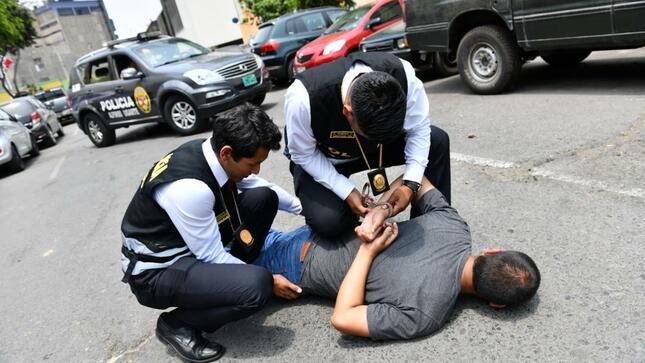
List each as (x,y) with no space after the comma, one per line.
(414,186)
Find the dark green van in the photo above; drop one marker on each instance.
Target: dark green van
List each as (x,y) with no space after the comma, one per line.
(493,38)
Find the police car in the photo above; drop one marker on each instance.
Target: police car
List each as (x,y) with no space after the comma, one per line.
(157,78)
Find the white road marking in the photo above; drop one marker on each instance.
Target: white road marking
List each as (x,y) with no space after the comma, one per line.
(476,160)
(543,173)
(131,350)
(49,252)
(54,173)
(633,192)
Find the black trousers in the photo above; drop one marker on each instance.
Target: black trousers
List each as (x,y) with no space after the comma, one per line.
(207,296)
(329,215)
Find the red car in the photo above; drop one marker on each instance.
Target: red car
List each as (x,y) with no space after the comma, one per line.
(345,34)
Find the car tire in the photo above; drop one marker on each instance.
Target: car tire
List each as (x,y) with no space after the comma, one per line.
(289,71)
(258,100)
(35,150)
(445,64)
(98,132)
(16,164)
(51,137)
(565,58)
(181,115)
(489,59)
(61,132)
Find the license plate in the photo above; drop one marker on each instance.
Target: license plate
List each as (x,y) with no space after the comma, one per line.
(249,80)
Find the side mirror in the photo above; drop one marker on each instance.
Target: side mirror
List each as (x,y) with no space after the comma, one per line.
(131,73)
(374,22)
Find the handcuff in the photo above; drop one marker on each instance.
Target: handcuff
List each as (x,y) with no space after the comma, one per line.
(368,201)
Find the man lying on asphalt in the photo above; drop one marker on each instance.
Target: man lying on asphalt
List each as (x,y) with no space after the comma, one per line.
(406,290)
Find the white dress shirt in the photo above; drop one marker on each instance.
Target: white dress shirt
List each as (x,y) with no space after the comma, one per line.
(189,204)
(302,143)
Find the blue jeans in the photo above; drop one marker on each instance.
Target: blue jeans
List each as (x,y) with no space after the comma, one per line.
(281,253)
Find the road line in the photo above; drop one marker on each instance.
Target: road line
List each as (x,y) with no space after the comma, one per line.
(54,173)
(49,252)
(476,160)
(633,192)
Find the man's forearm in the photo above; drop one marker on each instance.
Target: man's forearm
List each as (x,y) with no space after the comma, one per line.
(352,289)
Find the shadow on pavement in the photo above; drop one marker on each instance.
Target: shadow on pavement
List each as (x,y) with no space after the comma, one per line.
(596,76)
(144,132)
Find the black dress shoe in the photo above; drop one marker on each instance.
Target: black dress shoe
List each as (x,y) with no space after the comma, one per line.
(187,342)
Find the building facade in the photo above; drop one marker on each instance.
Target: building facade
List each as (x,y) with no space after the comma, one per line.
(67,29)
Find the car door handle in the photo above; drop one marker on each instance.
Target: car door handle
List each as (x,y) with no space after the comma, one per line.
(118,89)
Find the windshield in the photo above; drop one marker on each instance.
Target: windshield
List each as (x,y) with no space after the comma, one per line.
(348,21)
(20,108)
(50,95)
(262,35)
(169,50)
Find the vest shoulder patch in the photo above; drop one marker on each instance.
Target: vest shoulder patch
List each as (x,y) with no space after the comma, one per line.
(160,167)
(222,217)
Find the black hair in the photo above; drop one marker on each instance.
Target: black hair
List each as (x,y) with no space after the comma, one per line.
(378,104)
(505,278)
(245,128)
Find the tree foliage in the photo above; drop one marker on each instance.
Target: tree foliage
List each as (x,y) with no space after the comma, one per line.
(269,9)
(16,31)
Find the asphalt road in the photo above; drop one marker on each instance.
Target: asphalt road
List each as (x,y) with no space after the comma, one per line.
(555,169)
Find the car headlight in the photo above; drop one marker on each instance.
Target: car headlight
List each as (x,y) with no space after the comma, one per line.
(334,46)
(259,61)
(402,43)
(203,76)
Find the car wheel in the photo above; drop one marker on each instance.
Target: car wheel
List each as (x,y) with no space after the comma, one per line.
(445,64)
(289,72)
(182,116)
(564,58)
(16,164)
(61,132)
(51,136)
(35,150)
(489,60)
(257,100)
(98,132)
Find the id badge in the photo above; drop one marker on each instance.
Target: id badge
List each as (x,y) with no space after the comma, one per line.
(244,238)
(378,181)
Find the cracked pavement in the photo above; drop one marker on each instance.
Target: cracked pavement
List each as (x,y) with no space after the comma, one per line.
(554,169)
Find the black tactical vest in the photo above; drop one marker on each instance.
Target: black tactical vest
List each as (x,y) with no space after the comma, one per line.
(331,129)
(148,223)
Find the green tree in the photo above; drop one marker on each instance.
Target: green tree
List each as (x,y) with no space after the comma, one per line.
(269,9)
(16,32)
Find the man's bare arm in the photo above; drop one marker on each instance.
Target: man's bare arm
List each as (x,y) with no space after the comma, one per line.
(350,312)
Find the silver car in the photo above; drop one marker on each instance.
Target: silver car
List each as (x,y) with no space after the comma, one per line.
(16,142)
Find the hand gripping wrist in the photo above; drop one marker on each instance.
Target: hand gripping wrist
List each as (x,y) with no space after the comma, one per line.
(388,206)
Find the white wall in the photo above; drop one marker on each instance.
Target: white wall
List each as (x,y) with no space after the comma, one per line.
(209,22)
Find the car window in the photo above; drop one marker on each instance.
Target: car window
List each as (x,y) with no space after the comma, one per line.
(262,35)
(169,50)
(19,107)
(37,104)
(4,115)
(348,21)
(388,12)
(50,95)
(335,14)
(96,71)
(314,22)
(121,62)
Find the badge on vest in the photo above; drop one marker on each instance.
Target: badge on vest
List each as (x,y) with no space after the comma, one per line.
(341,135)
(378,181)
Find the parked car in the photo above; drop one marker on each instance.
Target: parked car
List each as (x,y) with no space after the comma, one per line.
(345,34)
(57,100)
(33,114)
(16,142)
(156,78)
(278,39)
(494,38)
(393,40)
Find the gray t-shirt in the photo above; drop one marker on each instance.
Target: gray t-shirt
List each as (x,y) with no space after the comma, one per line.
(412,285)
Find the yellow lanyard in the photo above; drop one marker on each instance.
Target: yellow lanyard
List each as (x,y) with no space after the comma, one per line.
(380,158)
(237,211)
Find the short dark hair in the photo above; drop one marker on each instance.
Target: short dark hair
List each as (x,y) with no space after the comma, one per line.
(245,128)
(506,278)
(378,105)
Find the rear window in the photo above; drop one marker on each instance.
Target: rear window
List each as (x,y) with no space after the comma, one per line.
(51,95)
(19,107)
(262,35)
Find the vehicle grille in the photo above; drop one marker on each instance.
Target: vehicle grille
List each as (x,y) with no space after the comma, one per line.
(304,58)
(238,69)
(379,48)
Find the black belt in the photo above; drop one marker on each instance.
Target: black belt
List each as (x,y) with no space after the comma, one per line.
(135,257)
